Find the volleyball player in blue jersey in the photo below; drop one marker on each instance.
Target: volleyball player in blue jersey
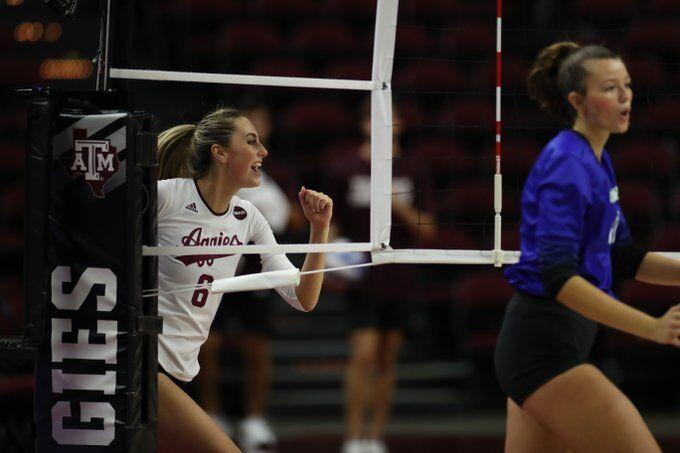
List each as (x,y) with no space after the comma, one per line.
(574,240)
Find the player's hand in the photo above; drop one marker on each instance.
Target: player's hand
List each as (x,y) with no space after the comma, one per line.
(667,329)
(317,207)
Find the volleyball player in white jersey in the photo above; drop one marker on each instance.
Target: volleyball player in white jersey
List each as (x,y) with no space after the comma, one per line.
(226,156)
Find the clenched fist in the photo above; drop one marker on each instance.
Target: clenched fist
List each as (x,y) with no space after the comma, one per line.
(317,207)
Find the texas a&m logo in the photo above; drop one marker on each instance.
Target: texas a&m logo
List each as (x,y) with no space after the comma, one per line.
(95,160)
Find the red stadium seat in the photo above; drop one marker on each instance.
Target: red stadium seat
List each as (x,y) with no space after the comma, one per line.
(12,156)
(443,155)
(477,40)
(483,289)
(6,38)
(666,238)
(12,301)
(325,38)
(675,203)
(518,156)
(251,38)
(473,202)
(201,45)
(527,117)
(11,240)
(19,71)
(654,298)
(290,10)
(429,10)
(279,66)
(512,205)
(646,74)
(208,8)
(12,121)
(13,385)
(357,69)
(619,8)
(357,10)
(13,201)
(510,238)
(340,150)
(663,6)
(413,41)
(484,294)
(638,202)
(429,76)
(513,74)
(452,237)
(469,201)
(412,114)
(479,113)
(659,115)
(660,35)
(643,160)
(320,117)
(466,10)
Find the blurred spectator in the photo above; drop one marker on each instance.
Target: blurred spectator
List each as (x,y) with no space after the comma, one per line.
(379,304)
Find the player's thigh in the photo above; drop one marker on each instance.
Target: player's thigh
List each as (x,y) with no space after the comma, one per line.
(526,435)
(589,414)
(184,426)
(364,345)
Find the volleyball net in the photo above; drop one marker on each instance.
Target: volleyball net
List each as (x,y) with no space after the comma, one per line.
(382,194)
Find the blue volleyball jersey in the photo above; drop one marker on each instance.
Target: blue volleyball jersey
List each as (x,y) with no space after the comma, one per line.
(570,216)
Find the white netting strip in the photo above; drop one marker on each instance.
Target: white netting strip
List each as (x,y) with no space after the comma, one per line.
(258,249)
(239,79)
(252,282)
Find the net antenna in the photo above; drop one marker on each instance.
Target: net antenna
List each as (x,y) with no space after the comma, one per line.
(381,155)
(67,8)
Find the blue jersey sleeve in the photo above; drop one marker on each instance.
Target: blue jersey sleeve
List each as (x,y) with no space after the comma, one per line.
(563,197)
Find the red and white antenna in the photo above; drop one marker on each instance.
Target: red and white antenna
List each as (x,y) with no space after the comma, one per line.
(498,178)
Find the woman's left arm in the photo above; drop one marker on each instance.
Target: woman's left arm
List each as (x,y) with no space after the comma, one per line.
(659,270)
(318,209)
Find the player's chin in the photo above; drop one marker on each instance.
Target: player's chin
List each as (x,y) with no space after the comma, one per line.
(254,182)
(621,128)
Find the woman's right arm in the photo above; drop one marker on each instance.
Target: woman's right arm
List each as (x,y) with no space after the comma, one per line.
(584,298)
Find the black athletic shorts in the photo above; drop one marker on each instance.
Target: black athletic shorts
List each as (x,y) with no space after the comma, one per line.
(180,384)
(540,339)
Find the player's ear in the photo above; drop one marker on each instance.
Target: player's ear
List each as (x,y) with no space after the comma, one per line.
(219,153)
(576,100)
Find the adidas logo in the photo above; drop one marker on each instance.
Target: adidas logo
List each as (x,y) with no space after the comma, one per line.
(192,207)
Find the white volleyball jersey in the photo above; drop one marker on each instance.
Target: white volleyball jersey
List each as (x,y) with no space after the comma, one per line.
(184,219)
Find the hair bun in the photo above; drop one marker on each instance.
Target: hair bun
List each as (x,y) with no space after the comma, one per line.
(542,80)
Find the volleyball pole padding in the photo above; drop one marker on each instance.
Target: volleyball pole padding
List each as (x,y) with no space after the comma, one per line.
(95,386)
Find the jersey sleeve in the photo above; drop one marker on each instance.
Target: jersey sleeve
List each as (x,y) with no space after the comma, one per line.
(262,234)
(563,196)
